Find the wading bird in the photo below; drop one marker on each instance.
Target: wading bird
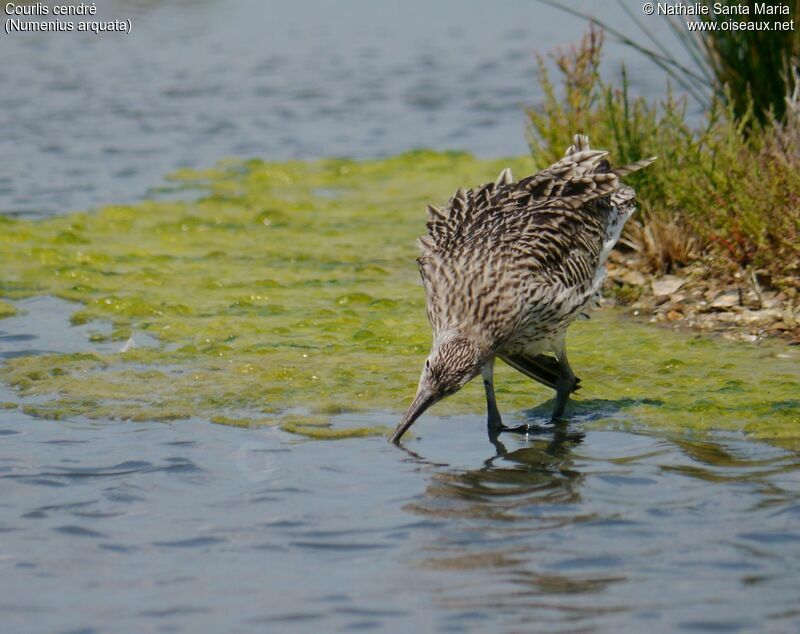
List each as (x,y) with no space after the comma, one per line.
(508,266)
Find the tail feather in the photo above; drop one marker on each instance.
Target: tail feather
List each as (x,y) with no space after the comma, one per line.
(634,167)
(541,368)
(580,143)
(505,178)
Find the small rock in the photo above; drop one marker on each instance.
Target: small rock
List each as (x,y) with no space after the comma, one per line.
(741,336)
(727,299)
(667,285)
(674,315)
(772,313)
(634,278)
(750,317)
(770,301)
(765,316)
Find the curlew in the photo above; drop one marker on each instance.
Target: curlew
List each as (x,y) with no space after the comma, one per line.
(508,266)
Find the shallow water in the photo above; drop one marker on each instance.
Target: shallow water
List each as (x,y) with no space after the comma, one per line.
(604,525)
(279,300)
(100,120)
(196,527)
(642,514)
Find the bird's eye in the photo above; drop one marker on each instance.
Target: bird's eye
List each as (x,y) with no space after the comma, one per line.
(427,364)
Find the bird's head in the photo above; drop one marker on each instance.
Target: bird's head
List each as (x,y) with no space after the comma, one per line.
(452,362)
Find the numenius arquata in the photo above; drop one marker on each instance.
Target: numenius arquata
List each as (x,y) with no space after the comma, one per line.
(508,266)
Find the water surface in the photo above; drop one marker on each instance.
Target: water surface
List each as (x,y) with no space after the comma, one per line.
(116,527)
(99,120)
(602,525)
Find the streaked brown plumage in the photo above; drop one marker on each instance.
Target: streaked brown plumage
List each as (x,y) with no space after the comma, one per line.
(508,266)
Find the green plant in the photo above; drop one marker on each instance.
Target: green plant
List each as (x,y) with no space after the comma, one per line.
(748,68)
(729,186)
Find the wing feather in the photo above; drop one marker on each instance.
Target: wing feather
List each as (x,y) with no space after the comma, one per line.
(548,234)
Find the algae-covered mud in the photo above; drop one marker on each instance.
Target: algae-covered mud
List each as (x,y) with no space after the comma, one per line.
(288,294)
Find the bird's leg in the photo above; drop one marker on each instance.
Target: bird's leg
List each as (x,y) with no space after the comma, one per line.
(566,378)
(495,423)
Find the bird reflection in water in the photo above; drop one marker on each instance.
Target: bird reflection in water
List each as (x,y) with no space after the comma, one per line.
(558,439)
(499,509)
(555,529)
(540,472)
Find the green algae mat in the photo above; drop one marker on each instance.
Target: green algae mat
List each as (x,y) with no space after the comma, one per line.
(288,294)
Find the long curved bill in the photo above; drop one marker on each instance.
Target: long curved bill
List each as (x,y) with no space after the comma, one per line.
(422,401)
